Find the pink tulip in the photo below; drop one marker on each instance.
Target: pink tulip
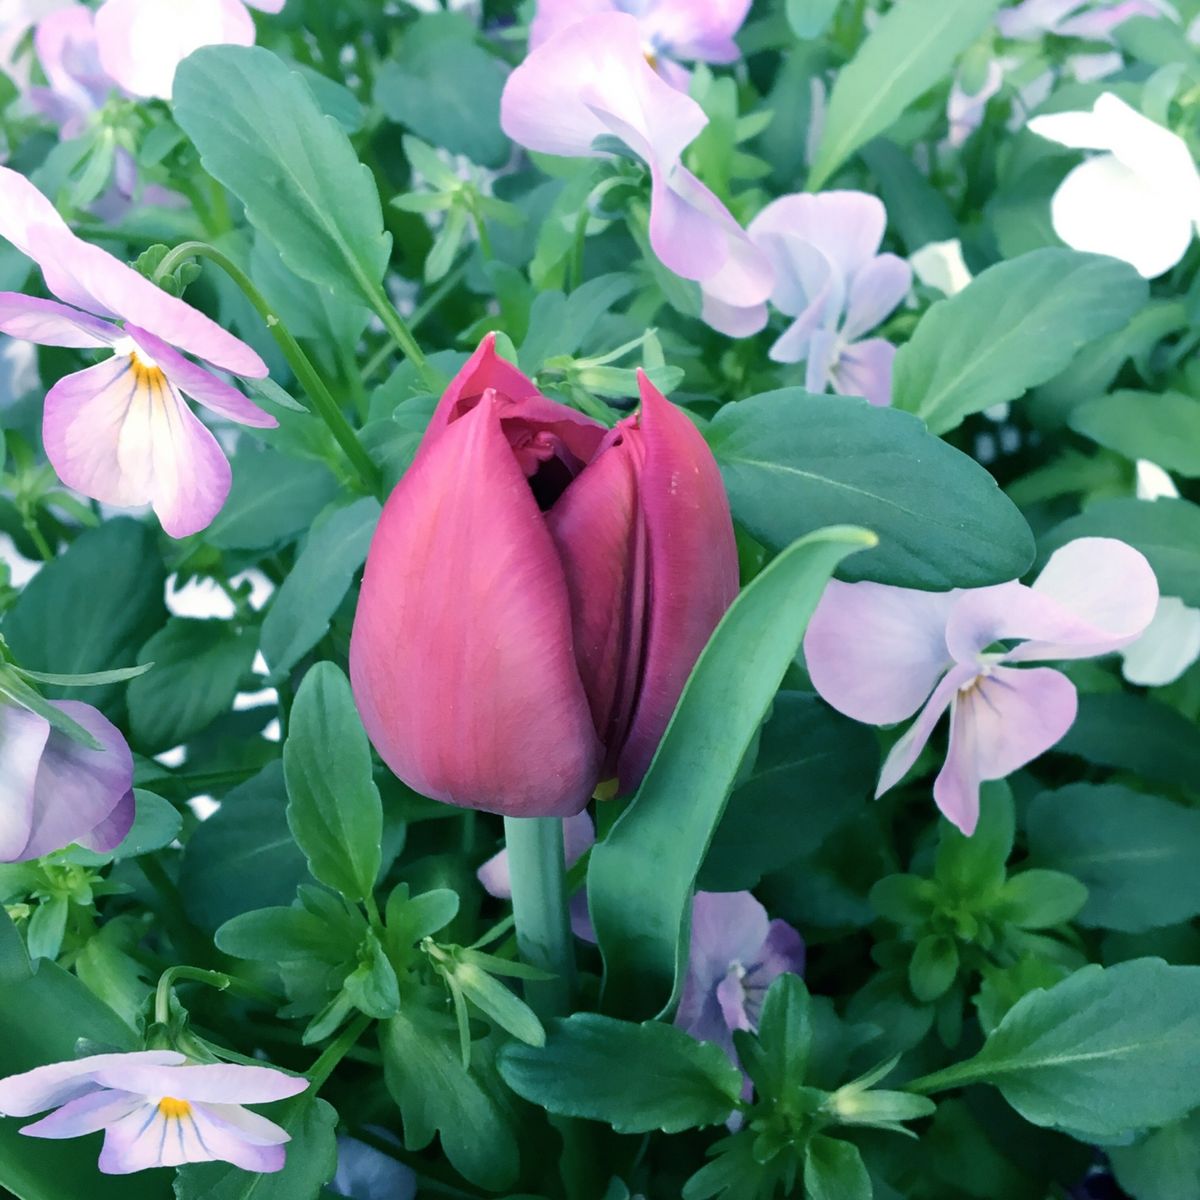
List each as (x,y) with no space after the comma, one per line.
(538,590)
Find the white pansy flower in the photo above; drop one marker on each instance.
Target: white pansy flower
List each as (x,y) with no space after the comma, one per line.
(1139,200)
(1169,646)
(941,265)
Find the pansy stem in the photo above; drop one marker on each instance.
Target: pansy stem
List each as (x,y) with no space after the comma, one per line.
(214,979)
(310,380)
(539,898)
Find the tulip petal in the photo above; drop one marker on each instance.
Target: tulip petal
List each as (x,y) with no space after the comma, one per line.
(461,656)
(78,788)
(599,528)
(1002,723)
(23,737)
(484,371)
(876,652)
(142,42)
(57,1083)
(51,324)
(907,750)
(127,437)
(693,567)
(201,385)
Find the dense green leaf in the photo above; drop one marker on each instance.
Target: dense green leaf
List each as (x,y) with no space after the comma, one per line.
(1163,1166)
(1167,532)
(1137,854)
(334,809)
(667,1080)
(291,166)
(813,771)
(311,1160)
(810,18)
(642,876)
(300,613)
(1039,311)
(197,672)
(92,608)
(1164,428)
(910,49)
(437,1094)
(793,463)
(1136,734)
(446,88)
(244,856)
(1104,1053)
(834,1170)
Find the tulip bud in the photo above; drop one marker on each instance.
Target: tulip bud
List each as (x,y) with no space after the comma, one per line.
(536,595)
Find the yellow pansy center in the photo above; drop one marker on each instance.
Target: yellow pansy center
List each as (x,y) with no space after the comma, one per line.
(174,1109)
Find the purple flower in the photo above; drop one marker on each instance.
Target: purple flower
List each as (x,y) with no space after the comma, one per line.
(671,30)
(736,954)
(830,276)
(879,654)
(65,42)
(579,834)
(121,431)
(364,1173)
(142,42)
(157,1109)
(1036,18)
(590,81)
(17,17)
(54,791)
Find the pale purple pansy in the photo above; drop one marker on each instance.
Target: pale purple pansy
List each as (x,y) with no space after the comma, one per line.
(578,836)
(55,791)
(78,86)
(157,1109)
(1139,200)
(1089,19)
(365,1173)
(736,953)
(672,31)
(590,81)
(17,18)
(832,279)
(142,42)
(881,654)
(121,432)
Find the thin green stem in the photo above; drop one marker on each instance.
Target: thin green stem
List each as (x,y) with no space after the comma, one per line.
(956,1076)
(333,1054)
(444,288)
(395,324)
(326,406)
(539,897)
(214,979)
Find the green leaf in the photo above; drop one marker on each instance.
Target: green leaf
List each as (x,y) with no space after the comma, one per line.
(1039,311)
(280,935)
(334,810)
(372,986)
(1136,734)
(1165,427)
(933,967)
(92,608)
(94,679)
(1164,1166)
(793,463)
(446,89)
(303,607)
(30,1168)
(814,770)
(779,1060)
(810,18)
(667,1080)
(833,1170)
(14,688)
(1136,853)
(911,48)
(499,1004)
(244,856)
(198,670)
(310,1164)
(642,876)
(437,1094)
(1167,532)
(292,166)
(1103,1053)
(1039,899)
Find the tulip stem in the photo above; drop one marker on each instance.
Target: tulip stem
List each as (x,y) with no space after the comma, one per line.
(310,380)
(539,897)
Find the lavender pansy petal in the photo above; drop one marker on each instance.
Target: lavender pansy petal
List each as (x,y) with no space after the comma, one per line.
(906,751)
(553,16)
(27,218)
(702,30)
(956,788)
(846,226)
(114,829)
(56,1083)
(824,348)
(221,1083)
(727,927)
(49,323)
(782,953)
(201,385)
(249,1126)
(579,835)
(78,788)
(1020,714)
(875,292)
(876,652)
(134,1143)
(731,996)
(87,1114)
(865,369)
(23,738)
(731,319)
